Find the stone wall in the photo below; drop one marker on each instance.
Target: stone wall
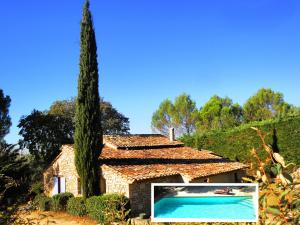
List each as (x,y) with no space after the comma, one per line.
(140,193)
(114,182)
(63,166)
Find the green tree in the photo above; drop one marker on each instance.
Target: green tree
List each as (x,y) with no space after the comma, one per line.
(64,108)
(5,121)
(266,104)
(43,134)
(13,170)
(112,121)
(162,118)
(88,136)
(219,113)
(185,114)
(182,115)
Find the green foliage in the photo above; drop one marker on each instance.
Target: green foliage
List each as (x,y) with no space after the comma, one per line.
(278,196)
(185,113)
(112,121)
(162,118)
(235,143)
(182,115)
(43,134)
(5,121)
(266,104)
(13,172)
(108,208)
(37,188)
(42,202)
(59,201)
(88,134)
(76,206)
(219,113)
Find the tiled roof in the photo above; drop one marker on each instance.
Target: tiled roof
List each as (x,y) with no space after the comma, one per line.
(157,162)
(190,171)
(138,141)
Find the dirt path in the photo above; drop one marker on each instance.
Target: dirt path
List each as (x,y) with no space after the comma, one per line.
(50,218)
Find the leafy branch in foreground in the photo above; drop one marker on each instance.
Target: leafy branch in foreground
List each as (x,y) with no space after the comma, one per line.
(278,195)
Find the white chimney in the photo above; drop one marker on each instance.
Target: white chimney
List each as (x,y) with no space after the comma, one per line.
(172,134)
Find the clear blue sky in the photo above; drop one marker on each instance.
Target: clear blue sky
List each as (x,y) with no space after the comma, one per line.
(149,51)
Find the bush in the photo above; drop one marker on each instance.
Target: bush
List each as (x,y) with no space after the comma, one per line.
(42,202)
(59,201)
(108,208)
(76,206)
(37,188)
(235,143)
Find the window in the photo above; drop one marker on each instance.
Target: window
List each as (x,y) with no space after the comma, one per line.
(59,185)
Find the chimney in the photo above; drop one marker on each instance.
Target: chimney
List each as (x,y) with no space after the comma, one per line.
(172,134)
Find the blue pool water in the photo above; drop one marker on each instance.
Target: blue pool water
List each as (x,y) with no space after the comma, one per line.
(218,207)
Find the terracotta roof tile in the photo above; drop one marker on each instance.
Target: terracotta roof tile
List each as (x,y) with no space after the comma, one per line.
(189,171)
(149,163)
(139,141)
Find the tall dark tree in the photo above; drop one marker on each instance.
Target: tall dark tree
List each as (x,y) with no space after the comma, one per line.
(88,135)
(5,121)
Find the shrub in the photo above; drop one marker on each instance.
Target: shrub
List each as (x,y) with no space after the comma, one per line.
(42,202)
(37,188)
(59,201)
(108,208)
(76,206)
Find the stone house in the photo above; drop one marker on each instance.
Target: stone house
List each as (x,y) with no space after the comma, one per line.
(130,163)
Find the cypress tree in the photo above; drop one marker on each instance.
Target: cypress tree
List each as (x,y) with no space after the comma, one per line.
(88,135)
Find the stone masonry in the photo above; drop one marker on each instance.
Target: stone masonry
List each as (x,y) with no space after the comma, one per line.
(63,166)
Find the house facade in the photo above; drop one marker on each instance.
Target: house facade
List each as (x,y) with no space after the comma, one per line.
(130,163)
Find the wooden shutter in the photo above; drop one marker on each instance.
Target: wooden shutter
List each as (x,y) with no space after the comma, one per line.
(62,184)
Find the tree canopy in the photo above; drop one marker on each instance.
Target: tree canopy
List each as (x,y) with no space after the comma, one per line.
(181,114)
(185,114)
(162,118)
(219,113)
(112,121)
(267,104)
(43,134)
(5,121)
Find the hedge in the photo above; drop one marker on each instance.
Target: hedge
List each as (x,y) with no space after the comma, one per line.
(59,201)
(108,208)
(76,206)
(236,143)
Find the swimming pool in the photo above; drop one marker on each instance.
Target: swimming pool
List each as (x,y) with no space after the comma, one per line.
(214,207)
